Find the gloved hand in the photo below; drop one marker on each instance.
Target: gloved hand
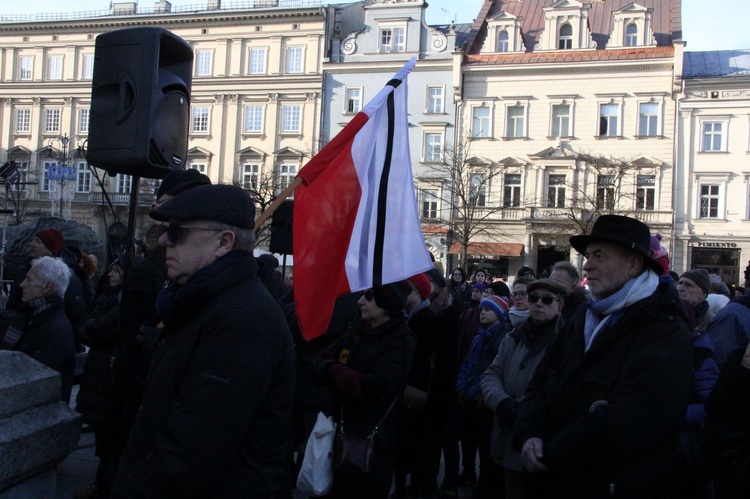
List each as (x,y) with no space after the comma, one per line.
(346,381)
(506,411)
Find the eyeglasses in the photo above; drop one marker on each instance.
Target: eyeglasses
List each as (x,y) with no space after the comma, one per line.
(547,300)
(173,231)
(368,294)
(518,294)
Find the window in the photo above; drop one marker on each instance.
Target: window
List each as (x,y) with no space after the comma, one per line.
(23,120)
(123,184)
(631,35)
(480,122)
(83,178)
(433,147)
(45,174)
(87,66)
(203,62)
(645,193)
(54,67)
(512,190)
(515,124)
(250,176)
(608,120)
(287,172)
(503,42)
(294,59)
(200,120)
(253,119)
(51,121)
(556,191)
(478,190)
(709,201)
(25,68)
(83,120)
(393,40)
(648,119)
(605,192)
(291,119)
(560,120)
(429,204)
(353,100)
(199,167)
(257,61)
(565,40)
(435,99)
(713,136)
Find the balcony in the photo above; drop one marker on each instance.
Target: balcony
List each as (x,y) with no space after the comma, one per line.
(117,199)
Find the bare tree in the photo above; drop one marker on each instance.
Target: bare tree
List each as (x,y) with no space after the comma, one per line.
(18,201)
(466,182)
(262,189)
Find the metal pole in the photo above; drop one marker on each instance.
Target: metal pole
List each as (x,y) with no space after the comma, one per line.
(132,214)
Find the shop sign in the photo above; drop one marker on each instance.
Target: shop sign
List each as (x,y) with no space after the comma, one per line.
(702,244)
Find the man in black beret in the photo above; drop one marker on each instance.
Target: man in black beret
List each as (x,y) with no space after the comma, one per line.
(603,409)
(217,404)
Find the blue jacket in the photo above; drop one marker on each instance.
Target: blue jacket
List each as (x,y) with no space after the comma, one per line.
(730,328)
(468,387)
(705,374)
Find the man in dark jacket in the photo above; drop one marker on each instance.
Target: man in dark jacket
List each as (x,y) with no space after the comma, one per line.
(218,399)
(603,409)
(41,329)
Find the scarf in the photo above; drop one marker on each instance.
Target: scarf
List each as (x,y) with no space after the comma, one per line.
(601,312)
(33,308)
(517,316)
(420,306)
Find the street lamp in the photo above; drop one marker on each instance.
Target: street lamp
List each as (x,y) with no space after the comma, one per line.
(62,178)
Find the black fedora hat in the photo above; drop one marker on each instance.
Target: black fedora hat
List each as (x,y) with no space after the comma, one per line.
(624,231)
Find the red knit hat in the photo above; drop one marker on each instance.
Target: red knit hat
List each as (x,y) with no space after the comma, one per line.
(422,283)
(52,239)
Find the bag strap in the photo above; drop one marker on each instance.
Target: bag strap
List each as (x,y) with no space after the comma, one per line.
(374,430)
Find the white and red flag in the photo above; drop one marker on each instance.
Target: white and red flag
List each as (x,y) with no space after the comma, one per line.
(355,220)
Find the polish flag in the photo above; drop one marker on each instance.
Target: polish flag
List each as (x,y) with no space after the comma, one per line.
(356,221)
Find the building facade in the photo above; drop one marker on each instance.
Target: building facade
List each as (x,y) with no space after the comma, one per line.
(712,181)
(255,100)
(567,110)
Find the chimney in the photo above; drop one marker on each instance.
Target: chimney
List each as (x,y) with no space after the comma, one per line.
(162,7)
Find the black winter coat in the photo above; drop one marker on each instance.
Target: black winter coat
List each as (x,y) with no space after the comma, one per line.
(218,400)
(609,417)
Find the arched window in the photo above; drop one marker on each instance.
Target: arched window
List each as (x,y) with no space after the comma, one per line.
(502,42)
(565,40)
(631,35)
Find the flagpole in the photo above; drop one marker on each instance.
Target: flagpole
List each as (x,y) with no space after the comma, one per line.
(277,202)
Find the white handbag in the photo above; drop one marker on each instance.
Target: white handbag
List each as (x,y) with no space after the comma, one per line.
(316,474)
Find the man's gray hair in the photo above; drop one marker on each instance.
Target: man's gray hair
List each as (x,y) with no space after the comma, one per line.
(569,268)
(55,271)
(244,239)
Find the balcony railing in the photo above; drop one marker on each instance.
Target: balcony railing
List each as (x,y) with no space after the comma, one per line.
(97,198)
(543,214)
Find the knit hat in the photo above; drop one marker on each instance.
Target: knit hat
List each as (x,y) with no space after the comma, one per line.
(699,277)
(525,271)
(227,204)
(422,283)
(655,246)
(479,286)
(180,181)
(497,304)
(52,240)
(391,297)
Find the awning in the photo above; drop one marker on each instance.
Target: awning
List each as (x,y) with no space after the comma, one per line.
(486,250)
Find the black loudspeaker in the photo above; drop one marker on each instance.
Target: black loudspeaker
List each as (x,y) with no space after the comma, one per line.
(140,102)
(281,229)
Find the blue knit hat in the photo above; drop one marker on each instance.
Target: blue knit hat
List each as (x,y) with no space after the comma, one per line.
(497,304)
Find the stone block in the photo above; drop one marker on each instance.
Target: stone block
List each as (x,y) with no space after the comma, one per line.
(25,383)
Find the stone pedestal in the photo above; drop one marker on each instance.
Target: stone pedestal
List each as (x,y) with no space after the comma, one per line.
(37,430)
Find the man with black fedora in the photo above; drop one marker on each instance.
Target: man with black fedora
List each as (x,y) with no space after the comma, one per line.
(217,405)
(601,414)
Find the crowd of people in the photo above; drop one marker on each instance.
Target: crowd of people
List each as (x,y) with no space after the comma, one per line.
(198,383)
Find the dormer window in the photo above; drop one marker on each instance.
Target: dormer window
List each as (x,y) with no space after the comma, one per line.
(565,40)
(502,42)
(393,40)
(631,35)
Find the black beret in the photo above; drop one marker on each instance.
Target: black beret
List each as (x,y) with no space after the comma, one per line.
(227,204)
(180,181)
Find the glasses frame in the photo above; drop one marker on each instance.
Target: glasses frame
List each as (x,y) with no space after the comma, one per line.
(173,231)
(546,299)
(368,294)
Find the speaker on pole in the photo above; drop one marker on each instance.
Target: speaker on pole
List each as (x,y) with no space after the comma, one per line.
(140,102)
(281,229)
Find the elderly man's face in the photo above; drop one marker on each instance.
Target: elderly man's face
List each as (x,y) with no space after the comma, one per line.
(190,245)
(608,267)
(34,286)
(563,278)
(544,305)
(37,248)
(690,291)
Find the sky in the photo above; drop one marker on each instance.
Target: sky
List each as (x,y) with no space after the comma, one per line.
(716,31)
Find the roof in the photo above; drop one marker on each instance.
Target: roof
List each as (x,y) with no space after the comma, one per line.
(494,249)
(629,53)
(716,63)
(666,19)
(462,31)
